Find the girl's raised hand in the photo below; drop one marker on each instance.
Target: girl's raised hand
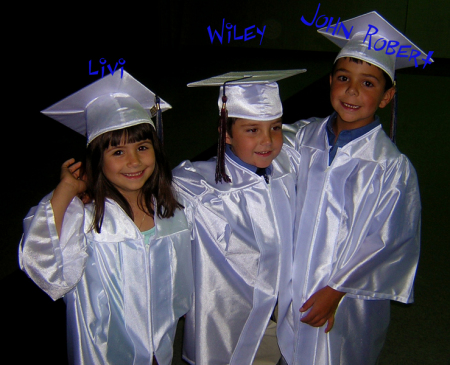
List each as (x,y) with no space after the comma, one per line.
(71,179)
(71,185)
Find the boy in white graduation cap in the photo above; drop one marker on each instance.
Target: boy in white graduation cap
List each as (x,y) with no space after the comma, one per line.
(122,262)
(357,237)
(240,206)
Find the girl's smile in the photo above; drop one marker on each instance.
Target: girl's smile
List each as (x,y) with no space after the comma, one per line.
(128,166)
(135,175)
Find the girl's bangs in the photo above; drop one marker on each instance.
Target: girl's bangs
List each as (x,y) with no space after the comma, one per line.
(131,134)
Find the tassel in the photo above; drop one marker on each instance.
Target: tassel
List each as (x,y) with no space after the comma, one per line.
(220,166)
(394,107)
(159,122)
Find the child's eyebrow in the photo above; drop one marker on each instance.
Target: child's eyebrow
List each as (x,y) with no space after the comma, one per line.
(347,72)
(341,70)
(140,143)
(250,124)
(372,76)
(115,146)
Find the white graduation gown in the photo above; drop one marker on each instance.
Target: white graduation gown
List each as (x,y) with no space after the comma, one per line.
(123,297)
(357,231)
(238,231)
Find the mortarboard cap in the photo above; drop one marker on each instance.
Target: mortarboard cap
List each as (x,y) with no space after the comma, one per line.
(111,103)
(249,95)
(372,39)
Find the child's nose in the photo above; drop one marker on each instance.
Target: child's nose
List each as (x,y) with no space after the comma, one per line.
(352,89)
(266,138)
(133,159)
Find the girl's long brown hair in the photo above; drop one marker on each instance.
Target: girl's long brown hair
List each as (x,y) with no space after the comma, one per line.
(157,187)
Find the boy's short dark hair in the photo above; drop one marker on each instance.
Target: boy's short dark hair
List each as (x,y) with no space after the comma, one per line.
(388,83)
(230,122)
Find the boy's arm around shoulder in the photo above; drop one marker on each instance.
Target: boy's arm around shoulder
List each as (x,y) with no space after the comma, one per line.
(383,263)
(292,133)
(187,201)
(52,250)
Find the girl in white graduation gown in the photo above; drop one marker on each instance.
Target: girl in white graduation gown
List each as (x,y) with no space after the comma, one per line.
(123,261)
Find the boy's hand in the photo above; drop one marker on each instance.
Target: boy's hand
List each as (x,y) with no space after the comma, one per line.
(323,304)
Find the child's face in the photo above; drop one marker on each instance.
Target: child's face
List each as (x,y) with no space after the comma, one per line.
(129,165)
(256,142)
(357,90)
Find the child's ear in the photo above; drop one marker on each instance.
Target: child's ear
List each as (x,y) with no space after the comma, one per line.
(387,97)
(227,138)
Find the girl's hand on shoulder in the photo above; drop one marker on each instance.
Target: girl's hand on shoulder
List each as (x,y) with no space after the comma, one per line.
(323,305)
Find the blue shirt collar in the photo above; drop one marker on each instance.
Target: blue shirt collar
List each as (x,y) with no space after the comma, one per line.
(236,159)
(349,135)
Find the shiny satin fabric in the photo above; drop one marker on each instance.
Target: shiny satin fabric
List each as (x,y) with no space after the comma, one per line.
(238,232)
(357,231)
(124,298)
(252,101)
(113,111)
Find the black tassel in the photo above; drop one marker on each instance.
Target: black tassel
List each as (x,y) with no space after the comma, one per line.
(220,166)
(159,122)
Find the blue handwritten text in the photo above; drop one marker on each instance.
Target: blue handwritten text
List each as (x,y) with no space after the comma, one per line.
(390,45)
(102,62)
(248,33)
(336,28)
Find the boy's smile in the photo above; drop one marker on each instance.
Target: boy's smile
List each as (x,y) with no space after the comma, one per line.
(128,166)
(356,92)
(256,142)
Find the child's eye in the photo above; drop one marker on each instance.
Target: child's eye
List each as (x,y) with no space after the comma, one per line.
(252,130)
(142,148)
(342,78)
(118,153)
(277,128)
(368,84)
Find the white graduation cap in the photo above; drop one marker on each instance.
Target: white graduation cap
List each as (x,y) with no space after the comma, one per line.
(250,95)
(369,40)
(110,103)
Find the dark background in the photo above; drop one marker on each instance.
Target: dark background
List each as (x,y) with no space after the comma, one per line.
(165,46)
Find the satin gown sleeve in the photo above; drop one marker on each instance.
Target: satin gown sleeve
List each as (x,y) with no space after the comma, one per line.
(55,265)
(379,255)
